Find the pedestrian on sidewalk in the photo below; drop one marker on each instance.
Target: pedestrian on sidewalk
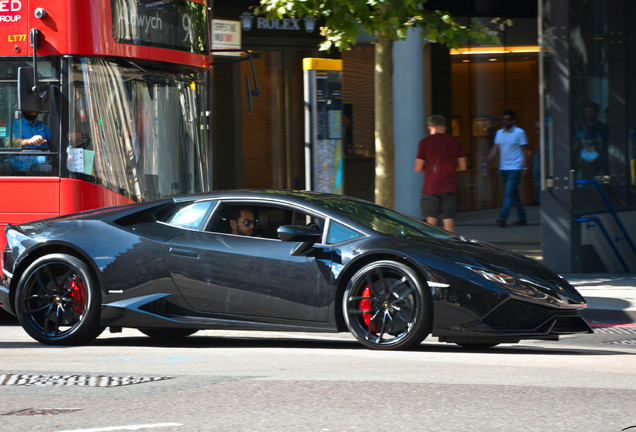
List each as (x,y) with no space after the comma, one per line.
(511,144)
(439,157)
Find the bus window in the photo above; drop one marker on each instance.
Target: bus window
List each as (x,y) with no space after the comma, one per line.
(8,108)
(137,132)
(27,147)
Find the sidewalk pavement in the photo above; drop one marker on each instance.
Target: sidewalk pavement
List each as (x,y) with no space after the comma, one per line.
(611,297)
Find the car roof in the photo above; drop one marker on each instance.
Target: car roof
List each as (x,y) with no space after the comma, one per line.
(290,195)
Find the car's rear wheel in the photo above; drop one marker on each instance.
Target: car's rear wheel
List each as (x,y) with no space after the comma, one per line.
(168,334)
(58,301)
(385,306)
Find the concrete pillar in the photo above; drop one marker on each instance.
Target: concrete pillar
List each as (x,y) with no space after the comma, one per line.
(408,120)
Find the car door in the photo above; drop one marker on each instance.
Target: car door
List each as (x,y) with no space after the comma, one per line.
(229,274)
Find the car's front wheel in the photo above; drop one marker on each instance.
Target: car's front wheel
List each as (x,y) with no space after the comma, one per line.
(58,301)
(385,306)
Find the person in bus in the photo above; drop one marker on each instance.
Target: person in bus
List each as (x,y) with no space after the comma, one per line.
(243,222)
(30,134)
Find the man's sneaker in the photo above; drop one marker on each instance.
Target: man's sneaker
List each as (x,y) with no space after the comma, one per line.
(501,223)
(520,222)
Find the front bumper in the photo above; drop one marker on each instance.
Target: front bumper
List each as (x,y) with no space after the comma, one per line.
(513,320)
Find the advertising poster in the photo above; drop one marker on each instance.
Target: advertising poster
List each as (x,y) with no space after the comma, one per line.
(324,140)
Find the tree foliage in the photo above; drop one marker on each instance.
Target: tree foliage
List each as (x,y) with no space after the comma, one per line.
(345,19)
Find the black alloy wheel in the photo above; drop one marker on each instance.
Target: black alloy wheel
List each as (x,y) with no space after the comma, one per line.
(385,306)
(58,302)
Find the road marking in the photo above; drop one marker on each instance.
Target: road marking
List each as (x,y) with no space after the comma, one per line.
(74,380)
(129,427)
(627,325)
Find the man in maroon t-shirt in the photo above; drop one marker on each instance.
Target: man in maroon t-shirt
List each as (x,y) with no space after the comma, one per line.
(439,157)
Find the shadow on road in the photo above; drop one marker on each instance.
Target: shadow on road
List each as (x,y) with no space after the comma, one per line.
(259,342)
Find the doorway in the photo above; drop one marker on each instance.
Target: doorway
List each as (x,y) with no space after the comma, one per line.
(272,136)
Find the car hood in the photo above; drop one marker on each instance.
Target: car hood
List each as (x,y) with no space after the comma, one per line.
(491,265)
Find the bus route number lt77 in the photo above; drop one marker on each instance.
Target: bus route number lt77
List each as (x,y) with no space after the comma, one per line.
(17,37)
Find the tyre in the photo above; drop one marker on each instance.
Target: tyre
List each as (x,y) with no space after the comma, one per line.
(58,301)
(385,306)
(168,334)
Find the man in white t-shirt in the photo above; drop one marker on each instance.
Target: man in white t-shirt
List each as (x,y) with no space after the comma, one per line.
(511,143)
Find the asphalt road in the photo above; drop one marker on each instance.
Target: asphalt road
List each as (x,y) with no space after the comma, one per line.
(239,381)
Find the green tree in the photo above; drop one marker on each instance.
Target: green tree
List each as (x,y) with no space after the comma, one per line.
(387,21)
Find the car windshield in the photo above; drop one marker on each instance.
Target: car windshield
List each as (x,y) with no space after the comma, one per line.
(382,219)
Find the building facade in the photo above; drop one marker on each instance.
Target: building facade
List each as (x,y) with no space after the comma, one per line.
(588,90)
(558,57)
(264,149)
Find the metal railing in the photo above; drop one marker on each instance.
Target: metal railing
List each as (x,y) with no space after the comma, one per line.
(597,220)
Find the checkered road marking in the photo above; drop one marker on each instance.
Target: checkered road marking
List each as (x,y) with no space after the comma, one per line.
(74,380)
(618,330)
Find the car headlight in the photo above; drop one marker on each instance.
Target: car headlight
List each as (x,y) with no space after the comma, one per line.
(492,276)
(514,284)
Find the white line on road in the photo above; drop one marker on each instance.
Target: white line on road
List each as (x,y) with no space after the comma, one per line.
(129,427)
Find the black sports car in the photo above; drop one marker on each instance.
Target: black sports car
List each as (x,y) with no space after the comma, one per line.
(276,260)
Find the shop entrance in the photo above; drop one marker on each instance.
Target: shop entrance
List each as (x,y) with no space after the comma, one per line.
(266,148)
(484,83)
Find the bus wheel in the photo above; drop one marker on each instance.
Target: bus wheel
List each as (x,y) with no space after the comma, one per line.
(58,301)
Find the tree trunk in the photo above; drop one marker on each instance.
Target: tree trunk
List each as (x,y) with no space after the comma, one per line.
(384,148)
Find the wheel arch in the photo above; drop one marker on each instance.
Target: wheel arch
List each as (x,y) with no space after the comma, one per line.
(359,262)
(47,249)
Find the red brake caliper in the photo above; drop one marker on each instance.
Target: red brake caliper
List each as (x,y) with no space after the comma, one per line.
(365,306)
(78,293)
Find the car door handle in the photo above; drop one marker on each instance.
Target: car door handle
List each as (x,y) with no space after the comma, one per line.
(184,253)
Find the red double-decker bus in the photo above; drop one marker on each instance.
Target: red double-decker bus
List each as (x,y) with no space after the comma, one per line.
(116,89)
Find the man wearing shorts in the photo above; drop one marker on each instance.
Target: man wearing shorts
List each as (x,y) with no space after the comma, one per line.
(439,157)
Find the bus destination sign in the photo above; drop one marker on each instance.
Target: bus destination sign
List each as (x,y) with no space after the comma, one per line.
(171,24)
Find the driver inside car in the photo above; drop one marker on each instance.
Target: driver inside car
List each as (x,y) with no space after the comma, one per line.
(243,222)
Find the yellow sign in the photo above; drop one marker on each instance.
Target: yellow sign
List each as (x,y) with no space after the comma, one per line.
(322,64)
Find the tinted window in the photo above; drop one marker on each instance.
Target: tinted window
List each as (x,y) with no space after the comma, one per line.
(192,216)
(267,218)
(339,233)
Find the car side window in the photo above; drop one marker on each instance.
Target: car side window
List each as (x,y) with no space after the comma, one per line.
(267,218)
(191,216)
(271,218)
(339,233)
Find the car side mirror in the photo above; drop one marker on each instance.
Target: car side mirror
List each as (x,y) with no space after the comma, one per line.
(307,236)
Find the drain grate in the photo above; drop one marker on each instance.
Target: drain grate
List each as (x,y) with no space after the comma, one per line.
(74,380)
(41,411)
